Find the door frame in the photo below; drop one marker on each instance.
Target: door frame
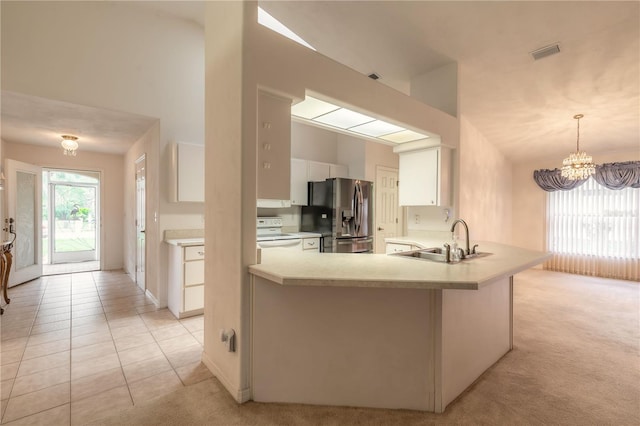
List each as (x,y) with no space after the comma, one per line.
(98,214)
(140,168)
(400,223)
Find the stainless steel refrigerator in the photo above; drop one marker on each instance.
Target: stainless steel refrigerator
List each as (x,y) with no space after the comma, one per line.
(342,211)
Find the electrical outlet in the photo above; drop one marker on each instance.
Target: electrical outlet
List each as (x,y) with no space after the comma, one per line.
(417,219)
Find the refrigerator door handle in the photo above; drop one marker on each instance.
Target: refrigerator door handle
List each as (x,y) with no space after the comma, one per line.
(360,203)
(356,210)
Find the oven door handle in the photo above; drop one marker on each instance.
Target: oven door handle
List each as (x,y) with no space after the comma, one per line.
(279,243)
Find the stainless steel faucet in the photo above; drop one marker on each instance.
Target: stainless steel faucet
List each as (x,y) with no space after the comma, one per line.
(466,230)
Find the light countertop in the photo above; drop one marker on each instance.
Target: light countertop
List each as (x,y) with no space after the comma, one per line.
(308,234)
(385,271)
(184,242)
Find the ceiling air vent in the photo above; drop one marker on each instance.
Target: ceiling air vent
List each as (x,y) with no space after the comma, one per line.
(543,52)
(373,76)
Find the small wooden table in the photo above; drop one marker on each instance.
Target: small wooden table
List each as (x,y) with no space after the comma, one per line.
(6,259)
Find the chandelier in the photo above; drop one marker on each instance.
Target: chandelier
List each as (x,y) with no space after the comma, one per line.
(578,165)
(69,145)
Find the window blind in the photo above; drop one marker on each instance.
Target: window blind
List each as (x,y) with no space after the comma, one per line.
(593,230)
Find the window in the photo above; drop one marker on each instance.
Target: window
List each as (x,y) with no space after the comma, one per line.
(592,225)
(273,24)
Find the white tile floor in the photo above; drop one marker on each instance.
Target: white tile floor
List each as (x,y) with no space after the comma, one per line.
(69,268)
(76,347)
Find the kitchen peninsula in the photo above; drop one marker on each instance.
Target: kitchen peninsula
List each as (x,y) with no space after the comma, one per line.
(378,330)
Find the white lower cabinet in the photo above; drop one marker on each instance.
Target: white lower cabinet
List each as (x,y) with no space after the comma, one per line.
(193,298)
(399,248)
(311,244)
(186,280)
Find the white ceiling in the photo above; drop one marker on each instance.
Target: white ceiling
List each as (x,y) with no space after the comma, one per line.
(39,121)
(523,107)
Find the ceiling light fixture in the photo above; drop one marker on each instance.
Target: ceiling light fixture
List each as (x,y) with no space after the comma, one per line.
(578,165)
(333,116)
(69,145)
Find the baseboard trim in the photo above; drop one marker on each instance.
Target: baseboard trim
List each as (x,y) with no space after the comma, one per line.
(153,298)
(240,395)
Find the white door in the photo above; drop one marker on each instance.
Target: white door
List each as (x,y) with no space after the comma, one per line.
(24,207)
(386,206)
(140,222)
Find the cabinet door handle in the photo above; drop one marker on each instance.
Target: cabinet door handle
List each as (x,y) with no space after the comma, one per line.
(201,253)
(380,228)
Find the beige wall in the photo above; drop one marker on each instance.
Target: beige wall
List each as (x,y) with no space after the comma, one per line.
(313,143)
(439,88)
(2,193)
(529,200)
(111,186)
(146,145)
(485,179)
(379,155)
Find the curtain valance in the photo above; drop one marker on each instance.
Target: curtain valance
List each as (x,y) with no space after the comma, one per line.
(552,180)
(609,175)
(618,175)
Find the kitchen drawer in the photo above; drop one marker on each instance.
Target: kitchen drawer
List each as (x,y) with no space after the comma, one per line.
(194,298)
(194,273)
(398,248)
(311,244)
(194,253)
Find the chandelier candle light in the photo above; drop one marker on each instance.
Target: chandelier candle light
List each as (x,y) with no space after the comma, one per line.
(69,145)
(578,165)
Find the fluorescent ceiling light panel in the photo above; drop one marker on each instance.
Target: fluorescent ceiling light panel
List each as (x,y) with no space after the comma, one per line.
(344,118)
(404,136)
(273,24)
(377,128)
(311,108)
(331,115)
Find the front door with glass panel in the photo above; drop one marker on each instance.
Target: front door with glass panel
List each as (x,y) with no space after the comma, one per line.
(24,214)
(73,216)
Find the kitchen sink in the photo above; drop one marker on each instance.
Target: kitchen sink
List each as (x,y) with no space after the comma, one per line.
(436,254)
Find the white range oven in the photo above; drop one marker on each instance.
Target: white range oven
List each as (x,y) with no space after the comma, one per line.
(270,235)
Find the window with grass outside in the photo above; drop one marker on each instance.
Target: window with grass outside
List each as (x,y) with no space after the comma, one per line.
(593,230)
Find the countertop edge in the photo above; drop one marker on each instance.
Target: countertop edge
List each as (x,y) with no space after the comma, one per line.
(517,269)
(185,242)
(401,284)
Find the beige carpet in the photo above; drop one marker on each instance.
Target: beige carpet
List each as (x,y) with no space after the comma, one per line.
(576,361)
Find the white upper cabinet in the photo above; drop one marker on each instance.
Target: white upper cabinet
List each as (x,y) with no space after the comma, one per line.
(424,177)
(318,171)
(304,171)
(274,147)
(298,182)
(339,171)
(188,173)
